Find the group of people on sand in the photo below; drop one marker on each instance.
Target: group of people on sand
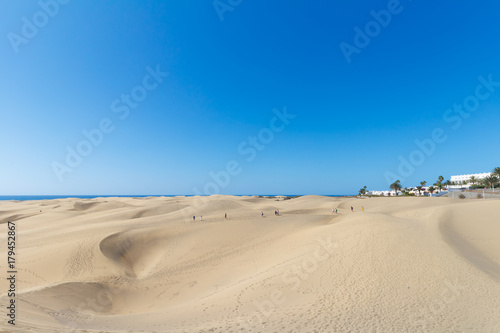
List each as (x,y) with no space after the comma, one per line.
(276,213)
(201,217)
(362,209)
(335,210)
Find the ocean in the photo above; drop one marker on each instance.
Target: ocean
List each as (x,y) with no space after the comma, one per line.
(51,197)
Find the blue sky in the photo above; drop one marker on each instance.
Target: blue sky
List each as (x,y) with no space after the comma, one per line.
(352,121)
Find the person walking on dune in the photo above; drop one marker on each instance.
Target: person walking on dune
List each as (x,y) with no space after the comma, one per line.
(352,209)
(194,218)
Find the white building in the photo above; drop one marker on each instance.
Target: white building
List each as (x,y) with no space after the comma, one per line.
(465,178)
(412,190)
(383,193)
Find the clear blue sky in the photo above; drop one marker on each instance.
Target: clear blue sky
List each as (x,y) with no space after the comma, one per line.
(353,120)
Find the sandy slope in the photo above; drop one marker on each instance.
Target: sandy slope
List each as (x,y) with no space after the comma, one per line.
(143,265)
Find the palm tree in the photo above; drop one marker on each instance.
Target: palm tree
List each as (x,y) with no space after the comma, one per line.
(473,179)
(422,185)
(396,186)
(439,183)
(496,172)
(419,189)
(491,180)
(432,189)
(362,191)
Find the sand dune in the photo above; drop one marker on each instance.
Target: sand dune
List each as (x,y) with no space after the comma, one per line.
(143,265)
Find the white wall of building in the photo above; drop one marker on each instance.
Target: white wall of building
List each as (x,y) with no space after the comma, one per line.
(384,193)
(462,178)
(413,190)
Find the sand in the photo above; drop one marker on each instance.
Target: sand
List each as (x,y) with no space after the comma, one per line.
(143,265)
